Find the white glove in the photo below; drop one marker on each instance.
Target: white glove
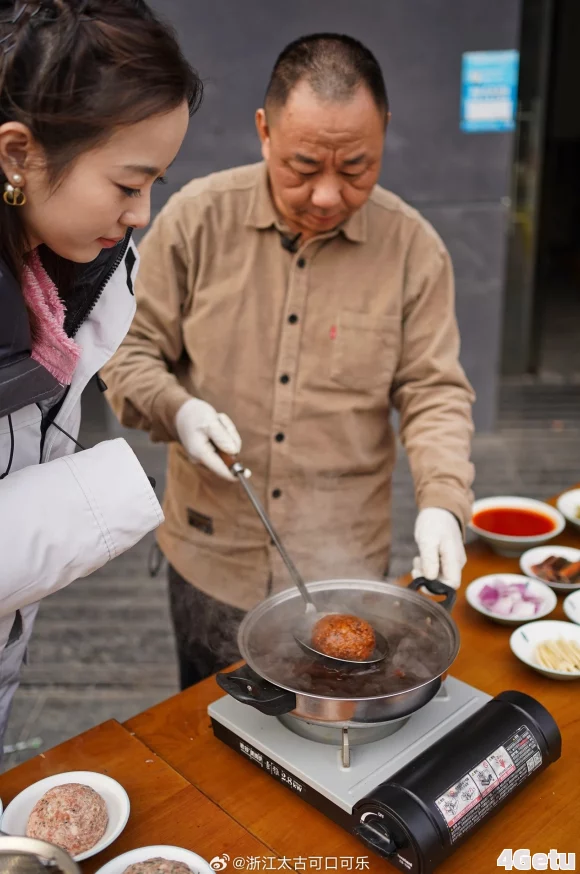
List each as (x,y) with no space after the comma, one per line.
(441,551)
(197,423)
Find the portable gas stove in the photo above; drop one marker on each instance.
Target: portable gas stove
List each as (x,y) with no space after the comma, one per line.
(415,794)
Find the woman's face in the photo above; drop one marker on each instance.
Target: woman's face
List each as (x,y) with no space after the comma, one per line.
(106,190)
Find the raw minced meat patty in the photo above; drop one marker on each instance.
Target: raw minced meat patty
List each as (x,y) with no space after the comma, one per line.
(158,866)
(71,816)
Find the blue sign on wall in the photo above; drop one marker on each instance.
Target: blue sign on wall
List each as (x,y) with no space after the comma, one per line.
(489,91)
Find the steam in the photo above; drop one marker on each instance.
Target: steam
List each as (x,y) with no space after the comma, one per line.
(207,627)
(419,647)
(327,539)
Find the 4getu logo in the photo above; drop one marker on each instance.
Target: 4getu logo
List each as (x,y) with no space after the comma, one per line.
(523,860)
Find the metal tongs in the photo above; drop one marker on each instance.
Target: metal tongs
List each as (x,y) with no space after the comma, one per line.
(303,634)
(21,855)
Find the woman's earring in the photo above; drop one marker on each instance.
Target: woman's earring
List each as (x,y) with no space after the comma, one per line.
(13,193)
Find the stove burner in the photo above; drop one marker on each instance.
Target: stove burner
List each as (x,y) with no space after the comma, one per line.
(344,737)
(334,734)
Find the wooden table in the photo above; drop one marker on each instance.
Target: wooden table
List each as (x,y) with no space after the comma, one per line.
(189,789)
(165,807)
(545,815)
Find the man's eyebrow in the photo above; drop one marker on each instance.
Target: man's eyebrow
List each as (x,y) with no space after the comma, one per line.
(350,162)
(304,159)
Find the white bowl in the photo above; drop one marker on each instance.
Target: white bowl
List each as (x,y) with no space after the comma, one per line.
(540,554)
(535,587)
(571,607)
(17,813)
(568,504)
(509,546)
(525,639)
(175,854)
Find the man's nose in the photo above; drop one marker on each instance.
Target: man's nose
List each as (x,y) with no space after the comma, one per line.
(326,193)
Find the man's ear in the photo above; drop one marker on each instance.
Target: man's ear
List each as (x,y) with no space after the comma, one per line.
(263,132)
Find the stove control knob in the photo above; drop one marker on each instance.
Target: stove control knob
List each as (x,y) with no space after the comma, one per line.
(373,830)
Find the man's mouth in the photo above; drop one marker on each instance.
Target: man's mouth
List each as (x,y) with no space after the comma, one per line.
(326,218)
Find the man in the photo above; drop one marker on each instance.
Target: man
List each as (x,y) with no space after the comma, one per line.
(304,301)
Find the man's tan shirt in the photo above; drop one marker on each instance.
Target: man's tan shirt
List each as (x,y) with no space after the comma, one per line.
(306,352)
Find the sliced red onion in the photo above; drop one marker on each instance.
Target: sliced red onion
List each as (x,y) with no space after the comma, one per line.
(510,599)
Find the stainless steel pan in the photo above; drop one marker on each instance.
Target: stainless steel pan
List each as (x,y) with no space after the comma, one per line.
(280,680)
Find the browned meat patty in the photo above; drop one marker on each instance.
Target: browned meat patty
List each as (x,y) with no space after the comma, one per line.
(72,816)
(158,866)
(344,637)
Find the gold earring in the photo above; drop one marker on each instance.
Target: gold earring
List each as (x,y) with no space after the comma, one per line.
(13,194)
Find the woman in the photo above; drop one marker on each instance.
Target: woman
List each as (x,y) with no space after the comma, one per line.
(95,98)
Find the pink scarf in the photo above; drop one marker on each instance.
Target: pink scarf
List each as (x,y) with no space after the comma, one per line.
(52,348)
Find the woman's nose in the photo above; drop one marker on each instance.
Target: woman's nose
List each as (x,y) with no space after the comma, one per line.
(139,215)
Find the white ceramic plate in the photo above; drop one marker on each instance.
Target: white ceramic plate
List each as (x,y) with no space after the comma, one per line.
(176,854)
(571,607)
(541,553)
(514,546)
(535,587)
(568,504)
(17,813)
(525,639)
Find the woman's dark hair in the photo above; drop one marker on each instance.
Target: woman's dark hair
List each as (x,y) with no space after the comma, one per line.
(73,71)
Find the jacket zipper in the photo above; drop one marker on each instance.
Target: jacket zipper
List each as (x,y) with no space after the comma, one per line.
(48,419)
(110,271)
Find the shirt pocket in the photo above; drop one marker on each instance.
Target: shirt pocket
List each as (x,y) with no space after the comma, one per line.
(365,351)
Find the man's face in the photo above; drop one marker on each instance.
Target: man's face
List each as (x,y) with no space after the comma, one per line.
(323,157)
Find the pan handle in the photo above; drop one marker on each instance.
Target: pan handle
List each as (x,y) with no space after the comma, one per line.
(247,687)
(436,587)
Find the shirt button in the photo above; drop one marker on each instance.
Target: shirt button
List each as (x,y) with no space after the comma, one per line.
(301,262)
(279,437)
(277,493)
(293,319)
(284,379)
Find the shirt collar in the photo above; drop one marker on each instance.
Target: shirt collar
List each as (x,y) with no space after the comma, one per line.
(262,214)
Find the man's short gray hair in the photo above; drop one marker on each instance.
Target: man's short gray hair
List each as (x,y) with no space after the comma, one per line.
(334,65)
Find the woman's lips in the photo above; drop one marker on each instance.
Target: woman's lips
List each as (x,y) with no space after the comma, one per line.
(107,242)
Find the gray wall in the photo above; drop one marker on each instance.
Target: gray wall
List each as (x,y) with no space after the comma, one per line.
(457,180)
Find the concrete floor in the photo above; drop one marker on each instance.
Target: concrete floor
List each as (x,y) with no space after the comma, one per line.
(103,647)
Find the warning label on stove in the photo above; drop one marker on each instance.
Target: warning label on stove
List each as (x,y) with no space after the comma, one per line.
(469,800)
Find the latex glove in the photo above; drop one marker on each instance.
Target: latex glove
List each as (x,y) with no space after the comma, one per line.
(197,423)
(441,551)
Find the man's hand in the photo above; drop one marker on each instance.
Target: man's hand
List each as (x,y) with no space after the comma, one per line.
(197,423)
(441,551)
